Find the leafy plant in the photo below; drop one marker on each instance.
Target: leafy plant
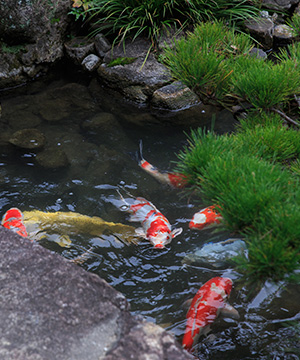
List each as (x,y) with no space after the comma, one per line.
(80,8)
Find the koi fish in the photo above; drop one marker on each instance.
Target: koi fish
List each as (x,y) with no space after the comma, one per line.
(207,304)
(13,220)
(155,226)
(175,180)
(205,218)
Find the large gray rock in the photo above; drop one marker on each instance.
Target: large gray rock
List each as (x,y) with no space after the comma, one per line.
(174,97)
(33,33)
(52,309)
(140,78)
(262,30)
(279,4)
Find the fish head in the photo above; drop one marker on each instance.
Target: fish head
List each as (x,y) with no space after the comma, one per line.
(160,239)
(222,286)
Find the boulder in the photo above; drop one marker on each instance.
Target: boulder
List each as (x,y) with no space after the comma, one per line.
(284,34)
(102,45)
(278,4)
(33,33)
(175,96)
(79,48)
(91,62)
(53,309)
(262,30)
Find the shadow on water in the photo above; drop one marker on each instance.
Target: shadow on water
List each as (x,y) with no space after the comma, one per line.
(99,132)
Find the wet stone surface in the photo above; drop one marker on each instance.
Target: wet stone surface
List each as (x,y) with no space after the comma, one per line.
(53,309)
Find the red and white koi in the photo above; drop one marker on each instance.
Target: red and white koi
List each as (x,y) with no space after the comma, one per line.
(175,180)
(205,218)
(155,226)
(207,304)
(13,220)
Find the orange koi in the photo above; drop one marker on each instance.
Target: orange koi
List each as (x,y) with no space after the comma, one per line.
(155,226)
(207,304)
(13,220)
(175,180)
(205,218)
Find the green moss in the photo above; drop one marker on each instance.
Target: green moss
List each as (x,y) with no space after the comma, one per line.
(12,49)
(121,61)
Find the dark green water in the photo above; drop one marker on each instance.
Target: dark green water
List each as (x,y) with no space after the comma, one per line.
(155,282)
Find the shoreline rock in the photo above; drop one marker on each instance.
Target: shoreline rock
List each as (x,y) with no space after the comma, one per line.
(53,309)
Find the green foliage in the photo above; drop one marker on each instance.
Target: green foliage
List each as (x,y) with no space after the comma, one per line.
(270,141)
(258,197)
(149,17)
(199,60)
(294,23)
(268,257)
(264,84)
(233,11)
(202,149)
(244,187)
(134,18)
(12,49)
(80,8)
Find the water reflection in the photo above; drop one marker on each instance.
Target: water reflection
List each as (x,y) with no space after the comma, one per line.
(99,133)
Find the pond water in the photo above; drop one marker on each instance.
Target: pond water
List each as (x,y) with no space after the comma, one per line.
(102,158)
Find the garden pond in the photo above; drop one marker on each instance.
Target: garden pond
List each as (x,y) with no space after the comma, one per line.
(100,132)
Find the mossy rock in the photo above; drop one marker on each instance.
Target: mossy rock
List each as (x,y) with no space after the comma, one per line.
(52,158)
(28,139)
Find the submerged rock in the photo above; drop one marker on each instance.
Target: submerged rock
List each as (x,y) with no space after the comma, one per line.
(28,139)
(52,158)
(216,254)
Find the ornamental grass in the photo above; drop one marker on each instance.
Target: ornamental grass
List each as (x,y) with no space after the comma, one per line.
(199,61)
(149,17)
(270,140)
(253,176)
(263,84)
(244,187)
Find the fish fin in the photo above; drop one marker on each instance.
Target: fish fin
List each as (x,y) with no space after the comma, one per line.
(187,303)
(229,311)
(140,232)
(12,213)
(176,232)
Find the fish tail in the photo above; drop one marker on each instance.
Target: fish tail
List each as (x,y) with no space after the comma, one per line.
(139,153)
(83,257)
